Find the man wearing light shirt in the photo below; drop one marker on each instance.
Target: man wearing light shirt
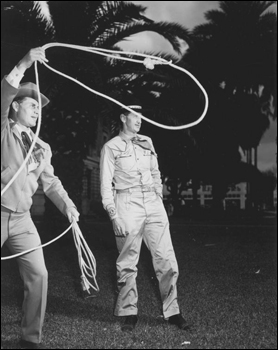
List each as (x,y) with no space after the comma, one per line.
(131,192)
(19,113)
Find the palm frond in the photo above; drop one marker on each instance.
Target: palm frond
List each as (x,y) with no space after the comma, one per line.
(43,13)
(111,13)
(245,8)
(216,16)
(171,32)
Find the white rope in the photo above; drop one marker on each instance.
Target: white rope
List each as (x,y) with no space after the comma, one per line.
(88,266)
(150,61)
(86,259)
(38,247)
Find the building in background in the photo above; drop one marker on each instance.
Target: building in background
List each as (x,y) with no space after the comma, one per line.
(91,205)
(235,198)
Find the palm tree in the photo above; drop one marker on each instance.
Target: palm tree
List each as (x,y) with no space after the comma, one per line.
(237,49)
(234,52)
(239,43)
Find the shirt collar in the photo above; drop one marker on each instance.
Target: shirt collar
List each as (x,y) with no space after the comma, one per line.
(17,130)
(20,129)
(127,138)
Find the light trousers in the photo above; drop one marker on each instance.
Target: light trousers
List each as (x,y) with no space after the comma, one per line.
(19,233)
(145,219)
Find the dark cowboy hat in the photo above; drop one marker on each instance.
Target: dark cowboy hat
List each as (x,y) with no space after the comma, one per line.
(31,90)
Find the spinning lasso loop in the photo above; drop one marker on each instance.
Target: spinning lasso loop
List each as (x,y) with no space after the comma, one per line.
(89,268)
(149,61)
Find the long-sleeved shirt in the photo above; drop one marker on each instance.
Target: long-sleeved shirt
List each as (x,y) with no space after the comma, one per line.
(18,197)
(15,77)
(124,165)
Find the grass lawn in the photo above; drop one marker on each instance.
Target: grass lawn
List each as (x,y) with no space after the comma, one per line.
(227,291)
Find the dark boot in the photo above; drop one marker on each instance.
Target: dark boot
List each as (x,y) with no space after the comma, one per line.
(129,323)
(179,321)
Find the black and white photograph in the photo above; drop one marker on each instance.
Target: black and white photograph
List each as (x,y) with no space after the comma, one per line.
(138,174)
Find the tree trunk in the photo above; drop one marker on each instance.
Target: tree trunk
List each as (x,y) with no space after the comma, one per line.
(248,184)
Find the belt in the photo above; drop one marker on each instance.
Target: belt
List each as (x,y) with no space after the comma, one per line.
(137,189)
(6,210)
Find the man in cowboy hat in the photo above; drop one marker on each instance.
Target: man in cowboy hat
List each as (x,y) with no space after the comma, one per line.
(135,207)
(19,113)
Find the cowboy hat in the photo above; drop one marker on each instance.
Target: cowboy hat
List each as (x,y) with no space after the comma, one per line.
(133,103)
(31,90)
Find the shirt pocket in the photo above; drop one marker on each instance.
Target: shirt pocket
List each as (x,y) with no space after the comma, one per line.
(124,161)
(146,159)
